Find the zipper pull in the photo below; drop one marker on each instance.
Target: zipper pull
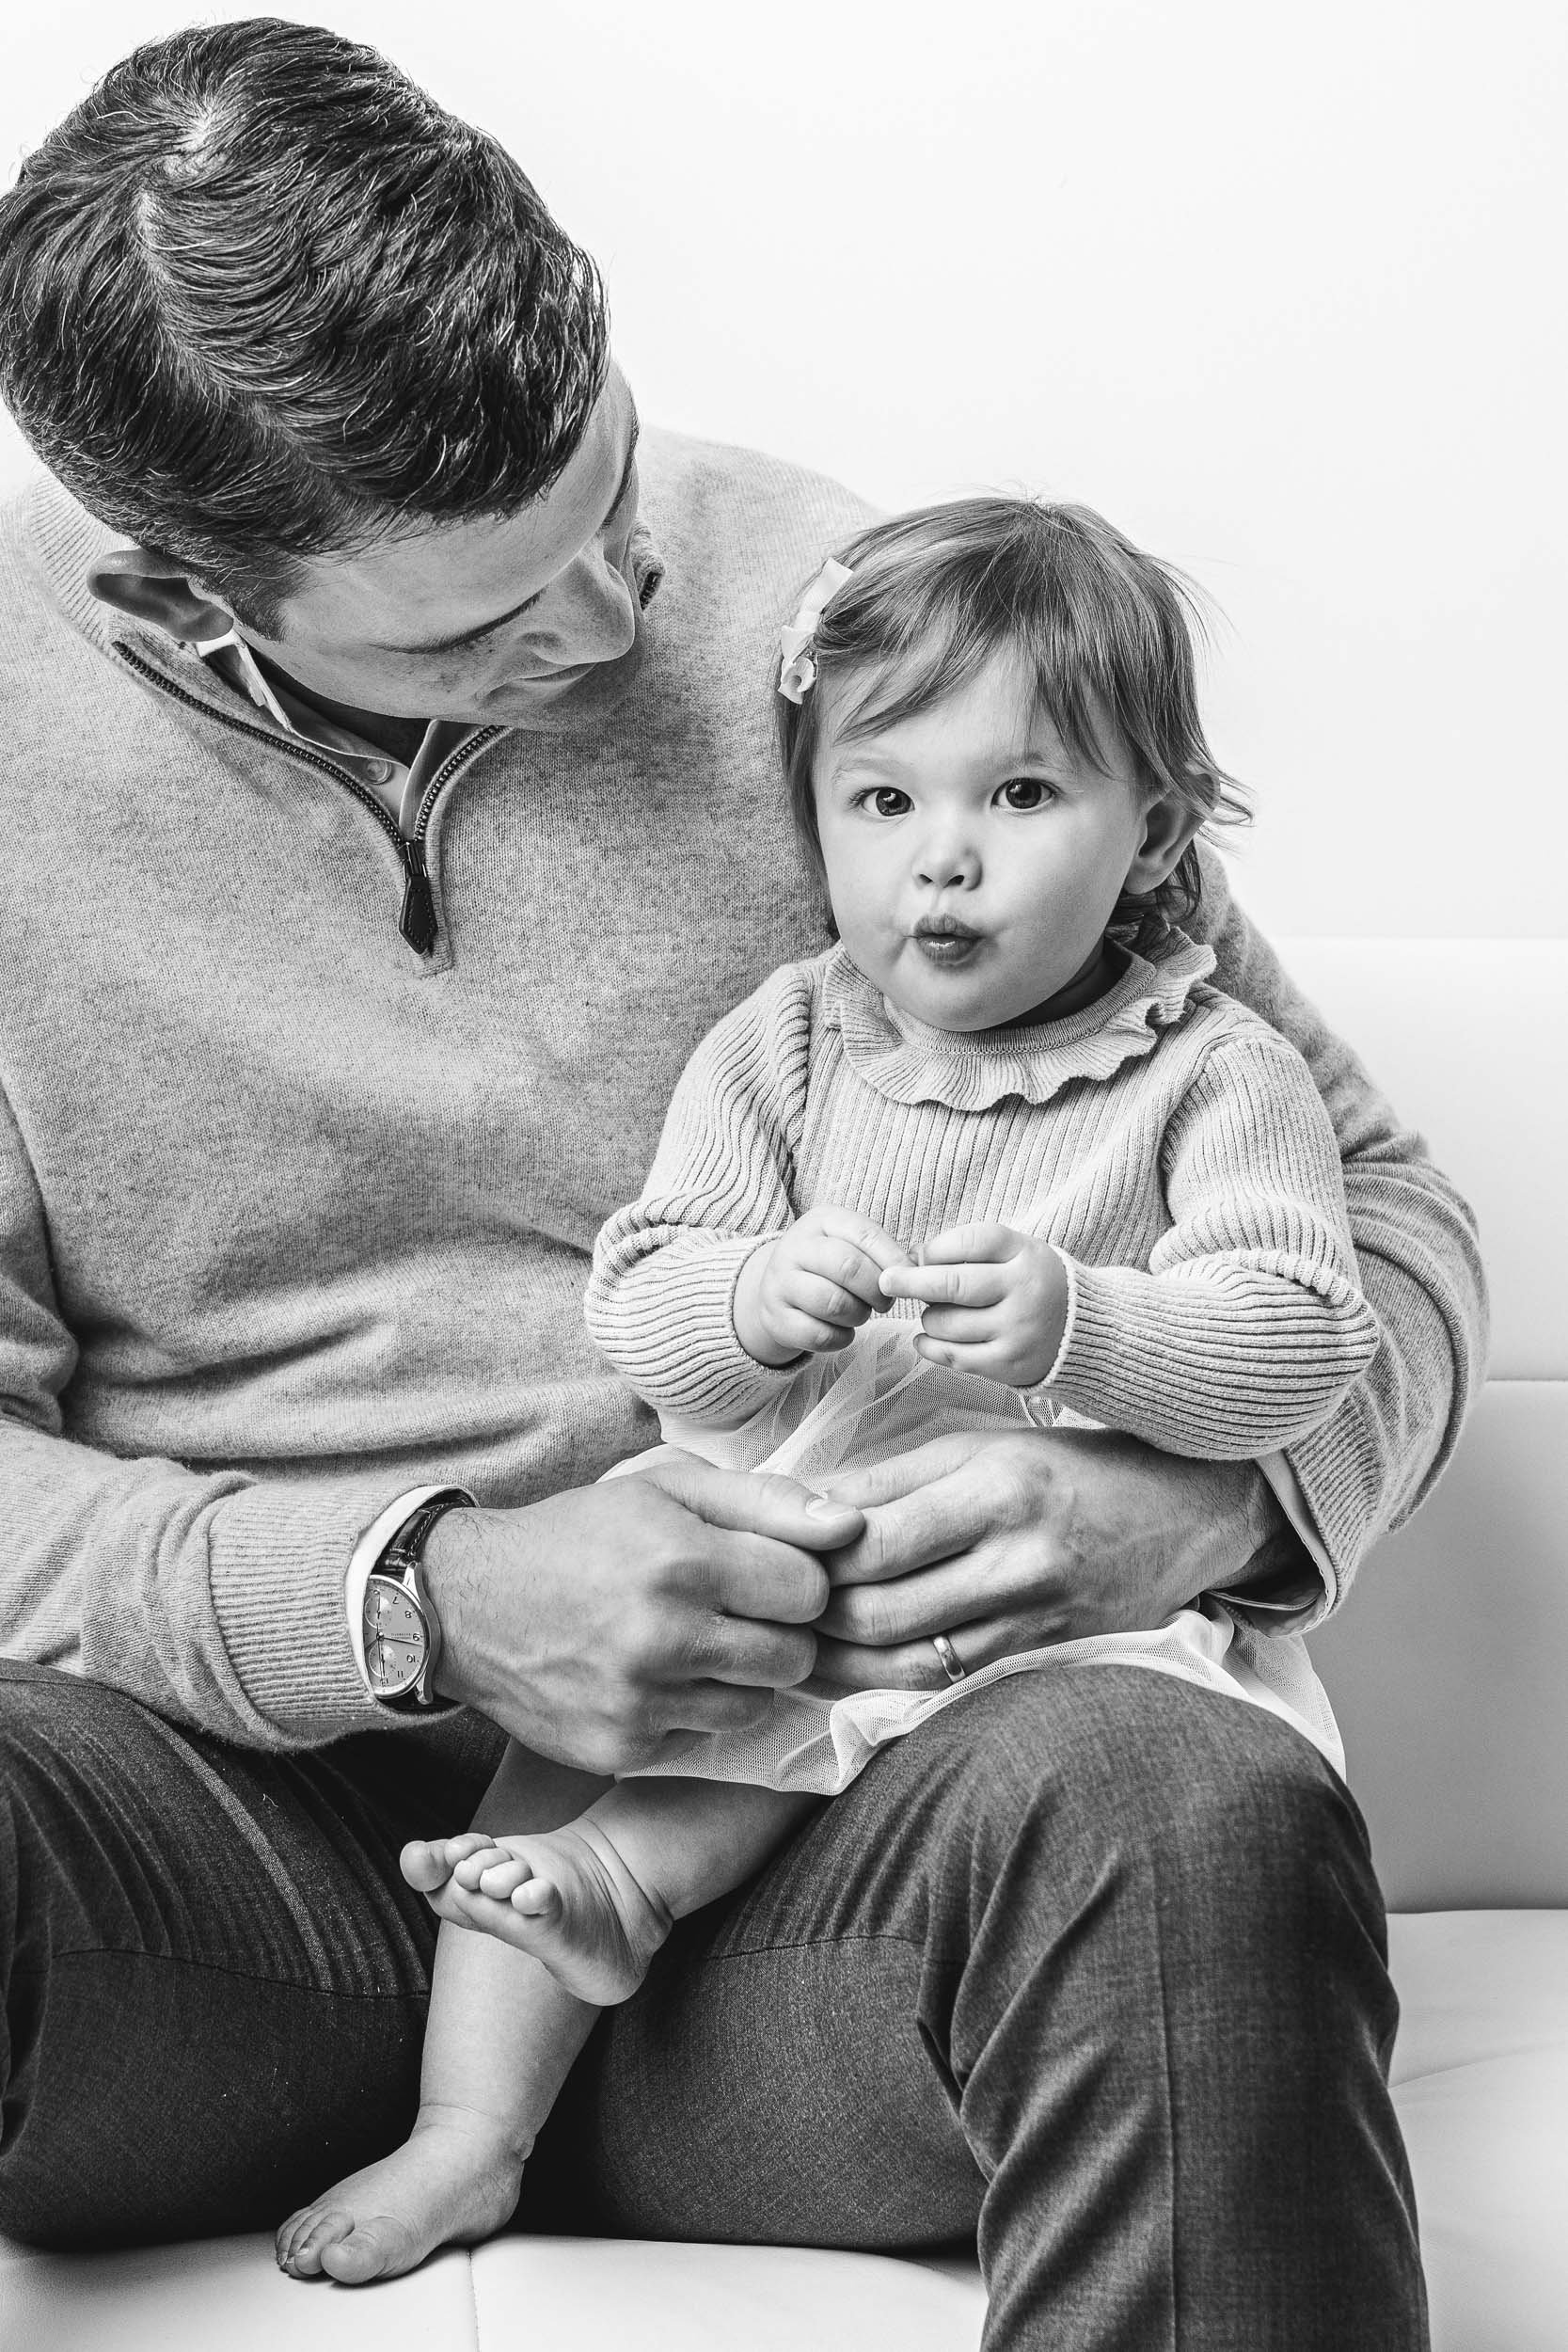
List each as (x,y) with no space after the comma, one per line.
(417,922)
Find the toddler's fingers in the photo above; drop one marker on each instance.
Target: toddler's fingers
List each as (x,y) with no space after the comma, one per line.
(848,1225)
(807,1336)
(985,1359)
(827,1301)
(948,1285)
(965,1245)
(960,1327)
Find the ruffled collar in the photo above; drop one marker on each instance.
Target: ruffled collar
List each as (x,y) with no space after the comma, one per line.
(974,1070)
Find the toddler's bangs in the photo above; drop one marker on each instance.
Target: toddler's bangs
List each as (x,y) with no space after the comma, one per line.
(1102,633)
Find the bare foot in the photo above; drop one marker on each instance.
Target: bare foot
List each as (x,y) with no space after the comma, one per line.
(565,1895)
(454,2180)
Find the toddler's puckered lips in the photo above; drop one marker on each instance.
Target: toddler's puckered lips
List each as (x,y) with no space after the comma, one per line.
(943,939)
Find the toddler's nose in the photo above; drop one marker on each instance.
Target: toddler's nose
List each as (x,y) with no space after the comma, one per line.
(947,866)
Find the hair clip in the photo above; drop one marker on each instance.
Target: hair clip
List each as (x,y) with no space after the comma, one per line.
(797,670)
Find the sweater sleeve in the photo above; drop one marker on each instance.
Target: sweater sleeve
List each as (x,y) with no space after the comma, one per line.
(660,1295)
(1248,1324)
(217,1598)
(1376,1457)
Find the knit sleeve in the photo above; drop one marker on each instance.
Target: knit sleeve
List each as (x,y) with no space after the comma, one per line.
(1378,1454)
(1248,1324)
(215,1597)
(659,1297)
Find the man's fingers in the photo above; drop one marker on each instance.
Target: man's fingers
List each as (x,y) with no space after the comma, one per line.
(929,1600)
(976,1283)
(756,1505)
(756,1657)
(914,1530)
(900,1474)
(717,1707)
(914,1665)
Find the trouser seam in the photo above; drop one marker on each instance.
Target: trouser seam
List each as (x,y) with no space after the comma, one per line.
(21,1974)
(810,1943)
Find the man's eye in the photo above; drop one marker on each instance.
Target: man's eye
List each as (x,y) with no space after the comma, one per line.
(886,801)
(1026,792)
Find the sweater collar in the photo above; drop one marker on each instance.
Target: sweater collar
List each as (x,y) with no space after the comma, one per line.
(974,1070)
(69,539)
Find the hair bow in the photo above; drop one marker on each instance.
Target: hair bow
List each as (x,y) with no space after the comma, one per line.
(797,670)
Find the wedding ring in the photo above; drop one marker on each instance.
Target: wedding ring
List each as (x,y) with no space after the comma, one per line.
(952,1664)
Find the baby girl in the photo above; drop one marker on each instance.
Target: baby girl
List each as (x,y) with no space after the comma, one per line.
(1003,1157)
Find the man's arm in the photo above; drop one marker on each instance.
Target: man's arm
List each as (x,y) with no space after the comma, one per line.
(1376,1457)
(600,1624)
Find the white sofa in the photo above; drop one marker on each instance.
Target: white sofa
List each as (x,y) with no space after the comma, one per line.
(1449,1670)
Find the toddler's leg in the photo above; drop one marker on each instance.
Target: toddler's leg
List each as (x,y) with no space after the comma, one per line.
(594,1899)
(501,2040)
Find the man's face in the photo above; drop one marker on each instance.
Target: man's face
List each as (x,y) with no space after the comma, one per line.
(494,620)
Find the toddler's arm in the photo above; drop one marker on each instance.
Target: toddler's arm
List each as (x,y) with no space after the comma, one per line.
(1248,1326)
(665,1270)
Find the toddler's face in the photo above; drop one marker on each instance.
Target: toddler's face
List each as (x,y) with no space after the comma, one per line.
(973,858)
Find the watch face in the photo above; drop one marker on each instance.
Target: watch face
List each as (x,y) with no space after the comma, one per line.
(395,1639)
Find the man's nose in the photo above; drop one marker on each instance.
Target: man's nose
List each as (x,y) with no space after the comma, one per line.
(594,610)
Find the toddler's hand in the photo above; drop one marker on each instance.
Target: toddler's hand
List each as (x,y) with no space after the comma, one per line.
(996,1302)
(804,1293)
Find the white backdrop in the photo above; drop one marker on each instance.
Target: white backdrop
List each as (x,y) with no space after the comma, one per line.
(1280,289)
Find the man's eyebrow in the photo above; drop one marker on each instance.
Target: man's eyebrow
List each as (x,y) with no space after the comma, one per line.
(484,629)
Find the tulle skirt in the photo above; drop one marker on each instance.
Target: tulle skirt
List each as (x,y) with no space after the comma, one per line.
(877,1399)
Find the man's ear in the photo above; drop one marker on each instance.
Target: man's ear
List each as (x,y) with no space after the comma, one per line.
(1169,826)
(148,587)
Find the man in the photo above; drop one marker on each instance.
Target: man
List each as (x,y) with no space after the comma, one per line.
(392,810)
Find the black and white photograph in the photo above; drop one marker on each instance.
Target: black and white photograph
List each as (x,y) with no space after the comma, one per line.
(784,1355)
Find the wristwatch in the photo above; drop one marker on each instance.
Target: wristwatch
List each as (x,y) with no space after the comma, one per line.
(403,1633)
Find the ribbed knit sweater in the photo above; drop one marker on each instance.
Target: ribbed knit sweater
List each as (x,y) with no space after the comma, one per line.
(1167,1143)
(293,1220)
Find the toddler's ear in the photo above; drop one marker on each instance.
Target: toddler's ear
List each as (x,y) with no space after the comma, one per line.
(1169,825)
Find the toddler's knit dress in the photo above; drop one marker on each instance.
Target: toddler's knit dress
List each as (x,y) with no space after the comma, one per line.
(1165,1140)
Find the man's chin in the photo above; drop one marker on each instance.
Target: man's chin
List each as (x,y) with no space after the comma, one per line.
(588,685)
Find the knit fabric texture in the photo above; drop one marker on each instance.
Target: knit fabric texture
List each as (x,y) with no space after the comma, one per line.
(1167,1143)
(293,1219)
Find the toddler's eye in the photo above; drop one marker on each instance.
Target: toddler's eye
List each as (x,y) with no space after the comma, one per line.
(886,801)
(1026,792)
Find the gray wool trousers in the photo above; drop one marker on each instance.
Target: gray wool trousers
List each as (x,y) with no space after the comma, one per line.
(1090,1970)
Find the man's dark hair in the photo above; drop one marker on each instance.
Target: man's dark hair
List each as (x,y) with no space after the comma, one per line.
(261,299)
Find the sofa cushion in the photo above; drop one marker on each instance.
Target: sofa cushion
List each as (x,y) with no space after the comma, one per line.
(1480,2082)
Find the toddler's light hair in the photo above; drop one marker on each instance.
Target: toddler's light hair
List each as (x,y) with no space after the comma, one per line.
(1105,632)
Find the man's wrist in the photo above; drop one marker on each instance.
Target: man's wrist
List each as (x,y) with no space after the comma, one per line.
(452,1572)
(1280,1572)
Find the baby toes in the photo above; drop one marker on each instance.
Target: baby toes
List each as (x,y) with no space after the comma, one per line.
(301,2240)
(503,1877)
(537,1899)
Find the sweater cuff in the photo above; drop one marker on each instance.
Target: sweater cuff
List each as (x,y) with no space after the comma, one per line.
(1338,1470)
(678,1346)
(279,1560)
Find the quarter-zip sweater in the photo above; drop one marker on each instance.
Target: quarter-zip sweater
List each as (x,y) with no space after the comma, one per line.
(294,1220)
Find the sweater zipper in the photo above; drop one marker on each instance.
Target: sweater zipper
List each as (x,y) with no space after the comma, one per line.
(416,917)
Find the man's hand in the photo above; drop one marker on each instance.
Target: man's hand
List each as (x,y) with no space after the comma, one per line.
(996,1302)
(1010,1543)
(606,1625)
(807,1293)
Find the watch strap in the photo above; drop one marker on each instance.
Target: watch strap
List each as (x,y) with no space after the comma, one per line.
(402,1560)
